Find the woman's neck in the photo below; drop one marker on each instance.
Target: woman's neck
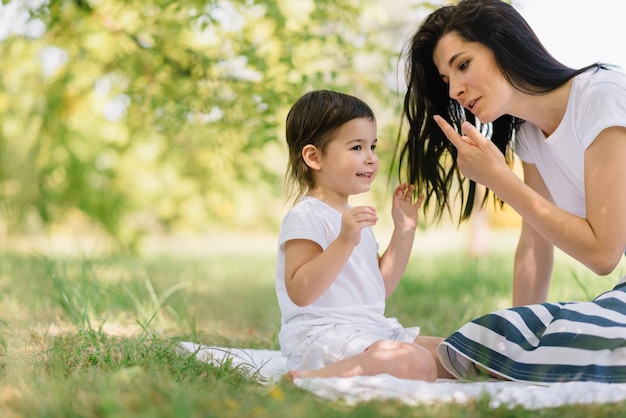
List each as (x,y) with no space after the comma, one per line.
(545,111)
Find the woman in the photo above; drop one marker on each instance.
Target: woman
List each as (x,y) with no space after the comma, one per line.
(480,61)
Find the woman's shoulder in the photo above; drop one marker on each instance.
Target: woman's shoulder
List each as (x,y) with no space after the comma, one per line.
(601,78)
(599,90)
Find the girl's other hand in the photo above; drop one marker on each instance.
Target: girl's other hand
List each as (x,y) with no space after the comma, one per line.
(353,222)
(404,210)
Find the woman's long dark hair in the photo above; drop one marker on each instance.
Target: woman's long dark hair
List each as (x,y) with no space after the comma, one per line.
(429,156)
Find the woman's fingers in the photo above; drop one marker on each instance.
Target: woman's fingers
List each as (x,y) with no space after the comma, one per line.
(472,134)
(454,137)
(449,131)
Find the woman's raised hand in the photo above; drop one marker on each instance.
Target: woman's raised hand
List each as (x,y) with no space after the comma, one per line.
(477,157)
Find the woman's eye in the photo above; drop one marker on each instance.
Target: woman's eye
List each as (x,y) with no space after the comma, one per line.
(463,65)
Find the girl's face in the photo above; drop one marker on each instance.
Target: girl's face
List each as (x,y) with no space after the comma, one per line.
(349,163)
(473,76)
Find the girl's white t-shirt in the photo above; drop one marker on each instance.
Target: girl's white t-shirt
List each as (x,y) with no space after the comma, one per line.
(357,296)
(597,101)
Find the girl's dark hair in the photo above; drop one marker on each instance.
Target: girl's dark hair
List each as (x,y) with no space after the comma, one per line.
(430,157)
(313,120)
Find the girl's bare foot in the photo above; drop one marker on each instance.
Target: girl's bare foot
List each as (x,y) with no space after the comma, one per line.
(299,374)
(291,375)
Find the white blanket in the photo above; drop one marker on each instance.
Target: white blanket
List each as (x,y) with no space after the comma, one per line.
(268,367)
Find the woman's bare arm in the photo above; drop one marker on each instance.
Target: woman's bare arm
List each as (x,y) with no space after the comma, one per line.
(597,241)
(534,256)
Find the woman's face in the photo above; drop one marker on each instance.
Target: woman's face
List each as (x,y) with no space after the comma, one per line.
(473,77)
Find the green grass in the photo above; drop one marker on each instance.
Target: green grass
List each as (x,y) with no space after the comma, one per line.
(95,337)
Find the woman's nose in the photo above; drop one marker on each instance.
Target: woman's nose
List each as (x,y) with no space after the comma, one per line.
(456,89)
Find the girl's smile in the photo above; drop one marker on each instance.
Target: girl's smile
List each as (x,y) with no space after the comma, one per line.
(349,163)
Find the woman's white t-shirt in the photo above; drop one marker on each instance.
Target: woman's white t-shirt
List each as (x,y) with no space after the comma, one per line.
(597,101)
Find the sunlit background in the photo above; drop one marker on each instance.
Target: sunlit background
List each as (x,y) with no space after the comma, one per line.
(139,126)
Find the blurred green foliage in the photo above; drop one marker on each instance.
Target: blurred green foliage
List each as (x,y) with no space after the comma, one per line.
(162,115)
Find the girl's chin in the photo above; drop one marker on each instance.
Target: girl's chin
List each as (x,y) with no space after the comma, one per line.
(363,189)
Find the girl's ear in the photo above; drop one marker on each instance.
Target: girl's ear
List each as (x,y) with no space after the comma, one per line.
(312,157)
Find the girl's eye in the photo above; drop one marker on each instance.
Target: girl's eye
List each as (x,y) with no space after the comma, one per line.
(356,148)
(373,148)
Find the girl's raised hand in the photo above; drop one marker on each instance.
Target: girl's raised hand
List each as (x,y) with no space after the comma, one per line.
(353,222)
(404,210)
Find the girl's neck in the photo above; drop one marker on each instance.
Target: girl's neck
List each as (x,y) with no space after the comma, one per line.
(339,203)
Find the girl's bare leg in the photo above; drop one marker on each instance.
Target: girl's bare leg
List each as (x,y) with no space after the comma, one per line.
(396,358)
(430,344)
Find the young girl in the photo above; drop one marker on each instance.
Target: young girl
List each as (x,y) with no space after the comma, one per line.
(479,59)
(330,282)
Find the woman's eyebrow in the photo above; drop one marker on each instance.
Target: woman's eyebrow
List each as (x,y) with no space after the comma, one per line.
(454,57)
